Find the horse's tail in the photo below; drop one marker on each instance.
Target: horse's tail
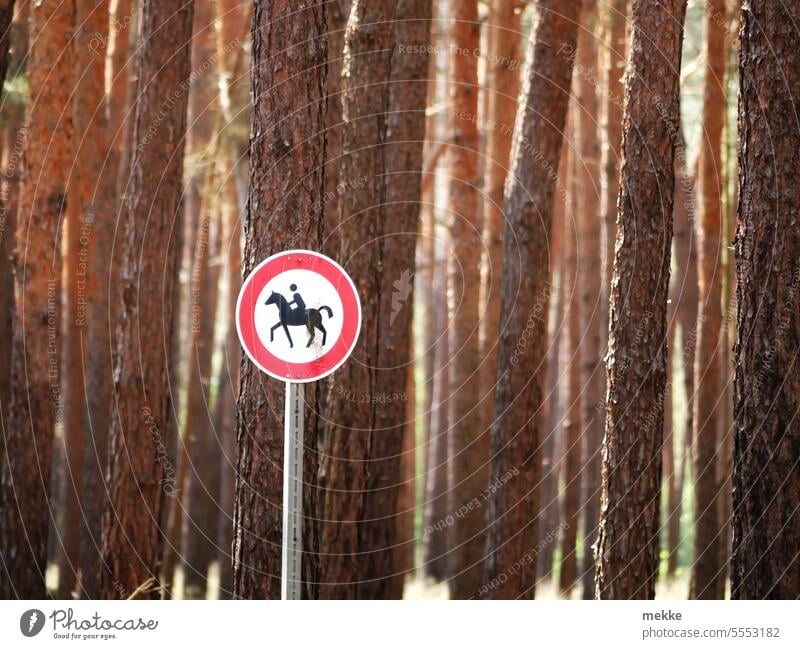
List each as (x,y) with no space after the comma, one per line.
(328,309)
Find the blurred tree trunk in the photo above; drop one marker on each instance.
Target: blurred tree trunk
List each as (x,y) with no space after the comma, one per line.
(122,46)
(669,472)
(405,138)
(89,235)
(614,26)
(434,539)
(6,227)
(468,443)
(103,296)
(200,522)
(571,350)
(118,64)
(201,130)
(552,400)
(728,333)
(528,203)
(628,545)
(178,450)
(35,404)
(685,288)
(592,310)
(232,29)
(139,467)
(434,322)
(707,569)
(227,389)
(287,183)
(503,66)
(766,481)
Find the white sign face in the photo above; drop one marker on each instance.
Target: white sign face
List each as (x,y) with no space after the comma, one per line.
(298,316)
(304,291)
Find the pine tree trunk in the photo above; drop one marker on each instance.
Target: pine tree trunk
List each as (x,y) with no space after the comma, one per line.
(628,545)
(227,386)
(571,350)
(593,320)
(90,232)
(336,15)
(515,433)
(383,133)
(686,314)
(186,242)
(200,525)
(554,396)
(139,465)
(394,422)
(615,36)
(434,539)
(118,63)
(505,24)
(766,480)
(668,447)
(433,508)
(7,221)
(287,183)
(35,396)
(467,441)
(404,544)
(123,39)
(707,567)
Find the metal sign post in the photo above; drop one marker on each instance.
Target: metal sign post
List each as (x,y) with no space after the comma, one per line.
(298,317)
(292,546)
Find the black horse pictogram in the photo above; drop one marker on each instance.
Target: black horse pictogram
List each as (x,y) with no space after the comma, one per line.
(297,317)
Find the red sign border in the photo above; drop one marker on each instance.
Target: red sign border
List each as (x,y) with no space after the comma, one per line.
(245,326)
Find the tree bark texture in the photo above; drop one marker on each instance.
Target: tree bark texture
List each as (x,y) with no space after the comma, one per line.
(521,365)
(287,184)
(628,545)
(468,442)
(708,572)
(503,63)
(766,478)
(593,316)
(36,401)
(140,469)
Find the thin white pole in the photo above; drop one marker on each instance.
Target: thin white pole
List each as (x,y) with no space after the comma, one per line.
(292,548)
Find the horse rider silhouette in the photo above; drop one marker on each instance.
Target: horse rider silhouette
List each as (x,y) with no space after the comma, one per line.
(297,316)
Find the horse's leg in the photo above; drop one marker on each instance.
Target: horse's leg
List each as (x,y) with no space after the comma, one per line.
(272,332)
(286,329)
(324,333)
(310,329)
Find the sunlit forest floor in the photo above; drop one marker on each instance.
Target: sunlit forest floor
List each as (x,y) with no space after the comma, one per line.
(666,589)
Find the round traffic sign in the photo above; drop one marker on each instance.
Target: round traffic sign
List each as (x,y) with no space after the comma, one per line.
(298,316)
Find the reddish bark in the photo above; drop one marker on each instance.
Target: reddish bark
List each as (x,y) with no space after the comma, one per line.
(287,184)
(766,480)
(35,368)
(139,466)
(593,318)
(708,571)
(628,546)
(503,68)
(514,507)
(468,443)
